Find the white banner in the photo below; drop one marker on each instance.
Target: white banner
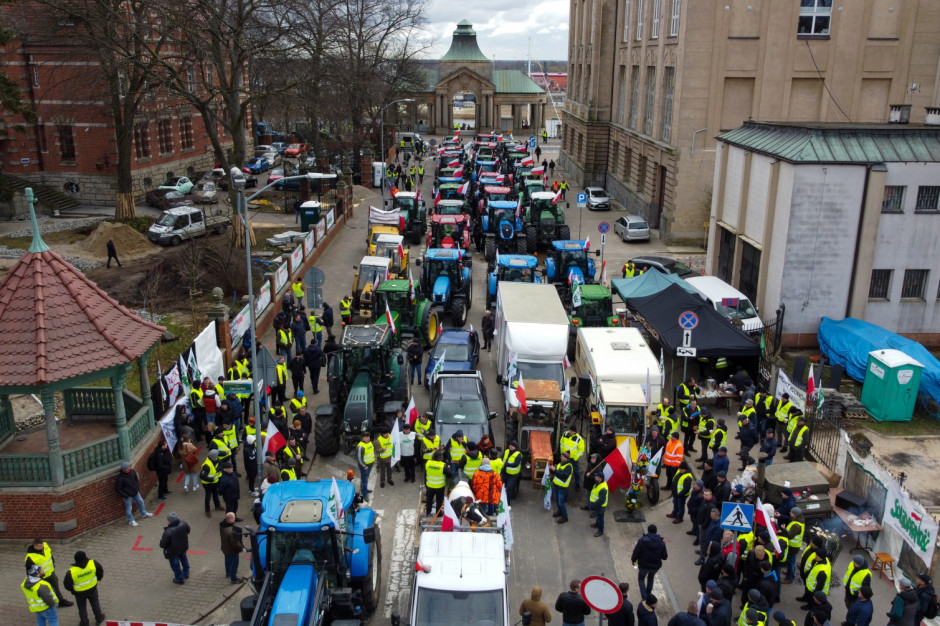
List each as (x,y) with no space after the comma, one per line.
(916,527)
(167,425)
(208,354)
(321,230)
(296,259)
(785,385)
(378,216)
(330,219)
(308,243)
(281,276)
(239,324)
(263,299)
(174,384)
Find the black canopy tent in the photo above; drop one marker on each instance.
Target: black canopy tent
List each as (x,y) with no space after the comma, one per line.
(714,336)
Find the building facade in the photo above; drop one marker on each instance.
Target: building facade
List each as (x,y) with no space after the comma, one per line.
(835,220)
(651,83)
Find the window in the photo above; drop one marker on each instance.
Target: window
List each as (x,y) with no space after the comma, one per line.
(914,285)
(41,138)
(650,97)
(626,20)
(634,96)
(66,142)
(657,9)
(928,200)
(191,80)
(623,94)
(142,140)
(894,199)
(674,22)
(164,137)
(669,79)
(639,20)
(880,284)
(814,17)
(186,133)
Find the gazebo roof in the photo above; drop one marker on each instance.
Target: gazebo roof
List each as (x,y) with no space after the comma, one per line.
(57,324)
(464,47)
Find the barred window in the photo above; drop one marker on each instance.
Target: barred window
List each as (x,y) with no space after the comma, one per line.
(164,137)
(142,140)
(928,200)
(186,133)
(66,142)
(914,285)
(893,201)
(880,284)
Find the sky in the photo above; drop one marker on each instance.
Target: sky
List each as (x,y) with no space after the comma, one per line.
(503,34)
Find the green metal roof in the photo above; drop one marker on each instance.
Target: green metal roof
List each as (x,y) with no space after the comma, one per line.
(514,81)
(838,143)
(464,46)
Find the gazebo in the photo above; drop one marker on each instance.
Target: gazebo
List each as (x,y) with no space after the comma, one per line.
(62,333)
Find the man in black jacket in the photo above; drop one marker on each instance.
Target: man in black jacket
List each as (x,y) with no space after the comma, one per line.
(127,486)
(689,618)
(649,554)
(229,488)
(85,574)
(163,466)
(704,516)
(314,357)
(297,367)
(718,610)
(415,356)
(624,615)
(571,605)
(488,326)
(175,543)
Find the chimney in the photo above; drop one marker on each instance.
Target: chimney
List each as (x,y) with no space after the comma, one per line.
(933,116)
(899,114)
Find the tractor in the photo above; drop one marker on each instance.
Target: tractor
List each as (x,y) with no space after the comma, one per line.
(544,221)
(370,270)
(412,215)
(413,314)
(528,188)
(596,309)
(492,191)
(447,278)
(449,231)
(308,569)
(453,191)
(392,247)
(513,268)
(569,264)
(368,384)
(502,230)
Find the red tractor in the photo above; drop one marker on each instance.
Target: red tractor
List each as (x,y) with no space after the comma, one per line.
(449,231)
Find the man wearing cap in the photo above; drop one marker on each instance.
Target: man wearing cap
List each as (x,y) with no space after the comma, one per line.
(718,610)
(798,439)
(648,555)
(646,611)
(512,468)
(705,430)
(719,435)
(861,611)
(672,459)
(747,435)
(561,480)
(209,476)
(904,606)
(82,580)
(573,444)
(40,597)
(40,554)
(818,609)
(231,538)
(857,575)
(127,486)
(365,458)
(175,543)
(768,447)
(819,576)
(229,488)
(681,488)
(289,471)
(782,620)
(270,465)
(597,501)
(925,595)
(689,421)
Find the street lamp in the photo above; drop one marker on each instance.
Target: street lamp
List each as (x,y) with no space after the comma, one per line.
(382,144)
(241,208)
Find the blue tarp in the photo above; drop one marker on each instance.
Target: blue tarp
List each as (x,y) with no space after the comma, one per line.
(848,342)
(647,284)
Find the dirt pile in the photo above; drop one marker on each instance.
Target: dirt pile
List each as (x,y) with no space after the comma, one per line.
(128,242)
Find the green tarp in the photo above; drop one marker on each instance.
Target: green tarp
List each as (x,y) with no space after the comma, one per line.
(647,284)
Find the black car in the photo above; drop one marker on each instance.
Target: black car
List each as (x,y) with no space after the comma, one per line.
(664,264)
(164,199)
(458,402)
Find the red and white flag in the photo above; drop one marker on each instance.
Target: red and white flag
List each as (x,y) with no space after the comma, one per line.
(273,442)
(411,286)
(411,413)
(557,198)
(527,162)
(520,396)
(388,318)
(454,163)
(811,383)
(537,171)
(604,279)
(401,252)
(464,188)
(418,195)
(450,521)
(437,197)
(440,328)
(587,243)
(567,362)
(617,468)
(762,519)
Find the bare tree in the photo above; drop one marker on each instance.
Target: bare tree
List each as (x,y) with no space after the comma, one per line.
(11,96)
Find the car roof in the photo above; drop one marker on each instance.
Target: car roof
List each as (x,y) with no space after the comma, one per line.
(713,287)
(601,189)
(455,336)
(569,244)
(389,238)
(494,189)
(408,195)
(518,260)
(633,218)
(443,253)
(654,258)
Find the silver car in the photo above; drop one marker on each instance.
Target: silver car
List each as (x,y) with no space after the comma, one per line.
(632,228)
(597,199)
(206,192)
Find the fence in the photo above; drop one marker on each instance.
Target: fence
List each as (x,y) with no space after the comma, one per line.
(825,432)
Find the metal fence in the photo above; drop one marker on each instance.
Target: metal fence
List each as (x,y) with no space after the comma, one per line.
(825,431)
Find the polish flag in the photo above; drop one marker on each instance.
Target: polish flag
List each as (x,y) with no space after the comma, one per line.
(557,198)
(457,133)
(401,252)
(450,521)
(604,279)
(527,162)
(520,396)
(411,287)
(454,163)
(440,328)
(418,195)
(537,171)
(567,362)
(437,197)
(388,318)
(273,442)
(587,243)
(411,413)
(762,519)
(617,467)
(464,188)
(811,383)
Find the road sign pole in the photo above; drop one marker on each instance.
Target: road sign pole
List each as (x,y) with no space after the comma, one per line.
(685,367)
(580,213)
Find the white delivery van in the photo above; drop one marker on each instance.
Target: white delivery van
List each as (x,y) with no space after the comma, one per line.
(728,301)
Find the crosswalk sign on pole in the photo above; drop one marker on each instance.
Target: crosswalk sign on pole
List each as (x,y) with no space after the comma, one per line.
(737,516)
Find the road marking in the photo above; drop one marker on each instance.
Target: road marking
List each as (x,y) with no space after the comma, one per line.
(137,547)
(159,508)
(398,583)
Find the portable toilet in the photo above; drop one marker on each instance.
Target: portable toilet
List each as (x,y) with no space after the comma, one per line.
(892,381)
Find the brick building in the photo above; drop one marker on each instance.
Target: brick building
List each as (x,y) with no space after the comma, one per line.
(651,83)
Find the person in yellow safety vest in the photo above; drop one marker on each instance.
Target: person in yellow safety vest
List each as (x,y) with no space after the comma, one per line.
(218,443)
(285,341)
(421,174)
(39,553)
(764,404)
(209,477)
(230,436)
(630,270)
(422,425)
(597,502)
(687,391)
(316,327)
(782,414)
(82,580)
(345,310)
(665,417)
(706,427)
(719,436)
(512,468)
(434,483)
(40,597)
(799,438)
(857,575)
(573,443)
(496,463)
(681,486)
(751,616)
(544,136)
(782,620)
(749,412)
(299,400)
(297,287)
(412,171)
(365,459)
(219,388)
(795,529)
(251,430)
(454,449)
(755,607)
(819,576)
(561,480)
(471,461)
(386,448)
(289,471)
(430,443)
(280,389)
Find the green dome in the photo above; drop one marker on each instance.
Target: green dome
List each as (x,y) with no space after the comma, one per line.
(464,45)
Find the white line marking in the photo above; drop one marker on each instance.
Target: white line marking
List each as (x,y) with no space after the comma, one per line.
(398,583)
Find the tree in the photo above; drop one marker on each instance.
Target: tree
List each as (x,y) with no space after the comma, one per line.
(11,96)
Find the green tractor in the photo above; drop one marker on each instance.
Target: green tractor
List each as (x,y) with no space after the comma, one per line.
(595,310)
(544,221)
(368,384)
(413,215)
(413,316)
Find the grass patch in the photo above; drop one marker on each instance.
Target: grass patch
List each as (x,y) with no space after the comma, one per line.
(921,425)
(63,237)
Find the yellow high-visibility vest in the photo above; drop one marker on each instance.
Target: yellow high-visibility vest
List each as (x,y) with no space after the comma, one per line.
(599,494)
(214,473)
(84,578)
(368,452)
(36,603)
(44,560)
(434,474)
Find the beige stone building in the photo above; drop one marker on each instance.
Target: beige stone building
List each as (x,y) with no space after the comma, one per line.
(651,83)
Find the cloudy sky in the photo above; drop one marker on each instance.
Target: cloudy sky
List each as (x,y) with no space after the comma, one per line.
(505,34)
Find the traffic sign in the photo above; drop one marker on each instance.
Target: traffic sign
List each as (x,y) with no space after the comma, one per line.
(603,240)
(603,227)
(601,594)
(582,200)
(532,141)
(737,516)
(686,338)
(686,351)
(688,320)
(24,161)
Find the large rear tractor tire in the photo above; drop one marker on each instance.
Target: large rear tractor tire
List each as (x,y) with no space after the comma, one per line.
(522,245)
(531,238)
(430,320)
(459,312)
(372,582)
(489,249)
(416,236)
(564,232)
(325,436)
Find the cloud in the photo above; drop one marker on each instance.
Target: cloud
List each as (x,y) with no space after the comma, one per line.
(502,34)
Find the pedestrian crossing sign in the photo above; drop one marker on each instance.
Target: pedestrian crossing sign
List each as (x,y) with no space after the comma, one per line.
(737,516)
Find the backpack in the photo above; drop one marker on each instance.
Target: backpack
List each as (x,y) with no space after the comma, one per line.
(932,607)
(152,461)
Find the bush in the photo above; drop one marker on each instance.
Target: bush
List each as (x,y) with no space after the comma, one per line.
(139,223)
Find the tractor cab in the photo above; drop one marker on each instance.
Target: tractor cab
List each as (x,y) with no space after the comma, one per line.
(369,271)
(544,220)
(412,211)
(569,264)
(449,231)
(451,191)
(496,193)
(596,308)
(502,229)
(376,231)
(530,187)
(517,268)
(411,312)
(623,409)
(484,166)
(446,278)
(392,247)
(449,207)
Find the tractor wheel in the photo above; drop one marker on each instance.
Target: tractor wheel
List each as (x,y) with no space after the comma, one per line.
(458,310)
(429,323)
(522,245)
(324,435)
(564,232)
(372,582)
(652,489)
(416,236)
(531,238)
(512,431)
(468,294)
(490,249)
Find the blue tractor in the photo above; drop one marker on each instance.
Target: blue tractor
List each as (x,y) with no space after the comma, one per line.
(446,278)
(570,264)
(502,229)
(513,268)
(308,569)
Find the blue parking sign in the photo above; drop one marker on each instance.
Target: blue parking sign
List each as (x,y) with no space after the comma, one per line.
(532,142)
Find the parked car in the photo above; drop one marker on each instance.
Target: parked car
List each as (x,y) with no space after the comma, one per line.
(279,146)
(256,165)
(251,181)
(218,176)
(275,175)
(269,153)
(178,183)
(632,228)
(597,199)
(664,264)
(458,402)
(293,150)
(460,349)
(164,199)
(206,192)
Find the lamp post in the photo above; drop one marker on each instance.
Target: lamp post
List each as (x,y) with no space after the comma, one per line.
(382,143)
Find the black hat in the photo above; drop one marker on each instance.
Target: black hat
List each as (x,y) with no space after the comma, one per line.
(227,465)
(722,474)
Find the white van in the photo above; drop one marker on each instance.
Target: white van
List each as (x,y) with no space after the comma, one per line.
(728,301)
